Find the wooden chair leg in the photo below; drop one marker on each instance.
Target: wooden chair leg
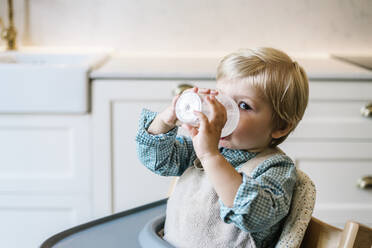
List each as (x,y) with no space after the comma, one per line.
(356,235)
(321,235)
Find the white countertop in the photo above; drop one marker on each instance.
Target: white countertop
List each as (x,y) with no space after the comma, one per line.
(121,67)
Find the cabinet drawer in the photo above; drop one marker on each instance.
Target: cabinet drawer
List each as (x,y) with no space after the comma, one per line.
(334,120)
(45,154)
(335,175)
(340,90)
(335,168)
(333,111)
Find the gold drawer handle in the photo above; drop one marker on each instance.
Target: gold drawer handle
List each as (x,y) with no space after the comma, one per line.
(181,88)
(365,182)
(366,111)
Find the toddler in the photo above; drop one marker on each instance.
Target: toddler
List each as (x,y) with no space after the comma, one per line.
(234,191)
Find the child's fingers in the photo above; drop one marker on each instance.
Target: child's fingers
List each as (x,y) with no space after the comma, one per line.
(214,103)
(205,91)
(214,92)
(192,130)
(174,100)
(213,106)
(203,120)
(216,109)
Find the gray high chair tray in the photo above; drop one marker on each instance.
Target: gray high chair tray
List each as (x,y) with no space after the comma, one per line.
(133,228)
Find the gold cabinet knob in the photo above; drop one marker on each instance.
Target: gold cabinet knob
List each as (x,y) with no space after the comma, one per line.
(366,111)
(365,182)
(181,88)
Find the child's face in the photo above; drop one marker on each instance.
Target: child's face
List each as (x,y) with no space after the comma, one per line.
(254,129)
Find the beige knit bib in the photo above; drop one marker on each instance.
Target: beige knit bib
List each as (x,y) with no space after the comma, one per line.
(193,212)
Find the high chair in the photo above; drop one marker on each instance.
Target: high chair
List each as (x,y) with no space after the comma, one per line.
(300,228)
(303,201)
(142,226)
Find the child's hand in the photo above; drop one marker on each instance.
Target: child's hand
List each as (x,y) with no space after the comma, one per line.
(206,137)
(166,120)
(168,116)
(205,91)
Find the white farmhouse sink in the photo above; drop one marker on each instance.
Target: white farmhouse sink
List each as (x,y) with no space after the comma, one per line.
(46,82)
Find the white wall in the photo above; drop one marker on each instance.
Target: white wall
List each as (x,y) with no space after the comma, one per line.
(205,26)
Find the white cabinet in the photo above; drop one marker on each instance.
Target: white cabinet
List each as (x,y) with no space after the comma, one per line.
(332,144)
(45,176)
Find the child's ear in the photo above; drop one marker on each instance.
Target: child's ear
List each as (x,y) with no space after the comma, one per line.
(276,134)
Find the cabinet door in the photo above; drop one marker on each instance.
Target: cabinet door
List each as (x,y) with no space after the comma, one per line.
(120,180)
(335,168)
(28,220)
(44,176)
(132,183)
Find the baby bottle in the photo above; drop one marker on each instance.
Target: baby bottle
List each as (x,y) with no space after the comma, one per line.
(190,101)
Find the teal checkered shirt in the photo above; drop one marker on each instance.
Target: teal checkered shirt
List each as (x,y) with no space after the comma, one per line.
(263,199)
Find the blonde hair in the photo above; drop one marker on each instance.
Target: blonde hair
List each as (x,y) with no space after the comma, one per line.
(282,82)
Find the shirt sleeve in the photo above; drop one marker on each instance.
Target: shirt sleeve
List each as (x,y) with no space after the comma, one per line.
(164,154)
(264,198)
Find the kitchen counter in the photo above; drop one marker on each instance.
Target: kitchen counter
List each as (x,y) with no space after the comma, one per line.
(121,67)
(362,61)
(149,68)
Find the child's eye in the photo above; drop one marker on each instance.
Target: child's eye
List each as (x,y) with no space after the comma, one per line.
(244,106)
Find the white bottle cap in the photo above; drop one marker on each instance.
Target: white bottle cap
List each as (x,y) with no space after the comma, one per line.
(185,106)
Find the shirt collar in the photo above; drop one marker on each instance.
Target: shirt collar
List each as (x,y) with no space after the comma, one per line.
(237,157)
